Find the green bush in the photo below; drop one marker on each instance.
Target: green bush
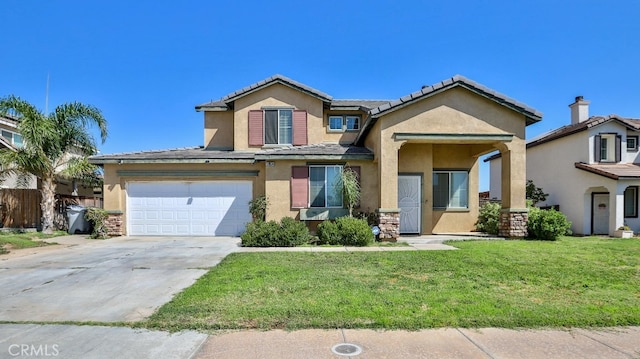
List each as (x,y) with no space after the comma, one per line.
(547,224)
(489,218)
(97,217)
(346,231)
(328,233)
(287,233)
(258,208)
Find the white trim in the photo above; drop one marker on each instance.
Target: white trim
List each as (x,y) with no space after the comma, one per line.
(326,187)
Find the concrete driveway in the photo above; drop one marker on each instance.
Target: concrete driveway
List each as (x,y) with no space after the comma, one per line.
(119,279)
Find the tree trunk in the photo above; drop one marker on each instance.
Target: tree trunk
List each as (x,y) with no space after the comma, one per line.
(48,204)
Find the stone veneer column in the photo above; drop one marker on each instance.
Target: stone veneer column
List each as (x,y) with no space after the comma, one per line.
(114,223)
(389,224)
(513,223)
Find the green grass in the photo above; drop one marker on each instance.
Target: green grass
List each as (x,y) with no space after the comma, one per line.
(572,282)
(18,240)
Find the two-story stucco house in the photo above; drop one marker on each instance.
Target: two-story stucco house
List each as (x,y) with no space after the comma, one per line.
(590,168)
(417,160)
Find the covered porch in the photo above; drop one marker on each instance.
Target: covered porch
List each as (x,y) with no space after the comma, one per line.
(433,188)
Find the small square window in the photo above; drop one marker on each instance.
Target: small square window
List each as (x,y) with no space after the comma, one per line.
(353,123)
(632,143)
(335,123)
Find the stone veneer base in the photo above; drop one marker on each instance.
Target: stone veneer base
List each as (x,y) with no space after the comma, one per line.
(513,223)
(114,223)
(389,224)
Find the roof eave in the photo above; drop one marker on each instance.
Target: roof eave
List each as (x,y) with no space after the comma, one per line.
(120,161)
(326,157)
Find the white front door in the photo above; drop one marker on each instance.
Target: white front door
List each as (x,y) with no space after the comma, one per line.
(600,210)
(409,199)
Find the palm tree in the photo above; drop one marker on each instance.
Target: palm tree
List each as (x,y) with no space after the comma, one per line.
(54,144)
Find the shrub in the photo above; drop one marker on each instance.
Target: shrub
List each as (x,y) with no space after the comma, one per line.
(347,231)
(287,233)
(328,233)
(547,224)
(489,218)
(535,194)
(97,217)
(258,208)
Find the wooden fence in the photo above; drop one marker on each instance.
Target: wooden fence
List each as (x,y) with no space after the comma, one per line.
(20,208)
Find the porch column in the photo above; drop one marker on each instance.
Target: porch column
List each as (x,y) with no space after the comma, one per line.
(616,205)
(514,213)
(389,213)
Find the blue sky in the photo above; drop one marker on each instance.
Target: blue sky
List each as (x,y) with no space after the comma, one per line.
(146,64)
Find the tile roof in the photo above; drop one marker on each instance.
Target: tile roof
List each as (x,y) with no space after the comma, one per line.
(458,80)
(631,123)
(317,150)
(178,155)
(364,105)
(530,113)
(264,83)
(614,171)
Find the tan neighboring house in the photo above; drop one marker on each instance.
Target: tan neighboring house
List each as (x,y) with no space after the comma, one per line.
(417,159)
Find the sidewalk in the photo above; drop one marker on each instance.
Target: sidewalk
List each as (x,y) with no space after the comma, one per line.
(97,342)
(433,343)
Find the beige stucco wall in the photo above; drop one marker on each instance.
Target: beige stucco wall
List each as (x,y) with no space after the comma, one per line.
(278,187)
(115,197)
(274,96)
(218,130)
(346,137)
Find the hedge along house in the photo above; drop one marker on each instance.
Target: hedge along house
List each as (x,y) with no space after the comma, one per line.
(416,157)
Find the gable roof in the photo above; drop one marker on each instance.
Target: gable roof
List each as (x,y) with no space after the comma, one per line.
(564,131)
(630,123)
(531,114)
(224,102)
(178,155)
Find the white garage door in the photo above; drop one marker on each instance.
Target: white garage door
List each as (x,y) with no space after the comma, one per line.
(188,208)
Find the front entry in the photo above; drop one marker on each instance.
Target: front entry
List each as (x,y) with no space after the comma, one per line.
(409,199)
(600,213)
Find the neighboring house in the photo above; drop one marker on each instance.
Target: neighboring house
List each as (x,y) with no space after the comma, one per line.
(590,168)
(11,139)
(417,160)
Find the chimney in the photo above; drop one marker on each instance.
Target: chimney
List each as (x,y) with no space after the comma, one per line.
(579,110)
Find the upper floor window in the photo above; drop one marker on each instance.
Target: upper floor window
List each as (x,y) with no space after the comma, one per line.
(344,123)
(607,147)
(277,126)
(12,137)
(450,189)
(632,143)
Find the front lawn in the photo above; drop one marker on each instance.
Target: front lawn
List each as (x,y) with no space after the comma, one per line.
(18,240)
(572,282)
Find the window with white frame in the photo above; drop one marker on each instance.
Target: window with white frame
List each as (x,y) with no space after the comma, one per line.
(12,137)
(607,147)
(632,143)
(450,189)
(344,123)
(631,202)
(325,189)
(278,126)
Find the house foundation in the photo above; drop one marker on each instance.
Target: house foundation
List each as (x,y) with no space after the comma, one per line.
(389,224)
(513,223)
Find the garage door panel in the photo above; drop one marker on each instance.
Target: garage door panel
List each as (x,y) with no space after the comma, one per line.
(188,208)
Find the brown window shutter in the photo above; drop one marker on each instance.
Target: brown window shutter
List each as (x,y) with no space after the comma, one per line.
(356,170)
(299,186)
(256,128)
(299,127)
